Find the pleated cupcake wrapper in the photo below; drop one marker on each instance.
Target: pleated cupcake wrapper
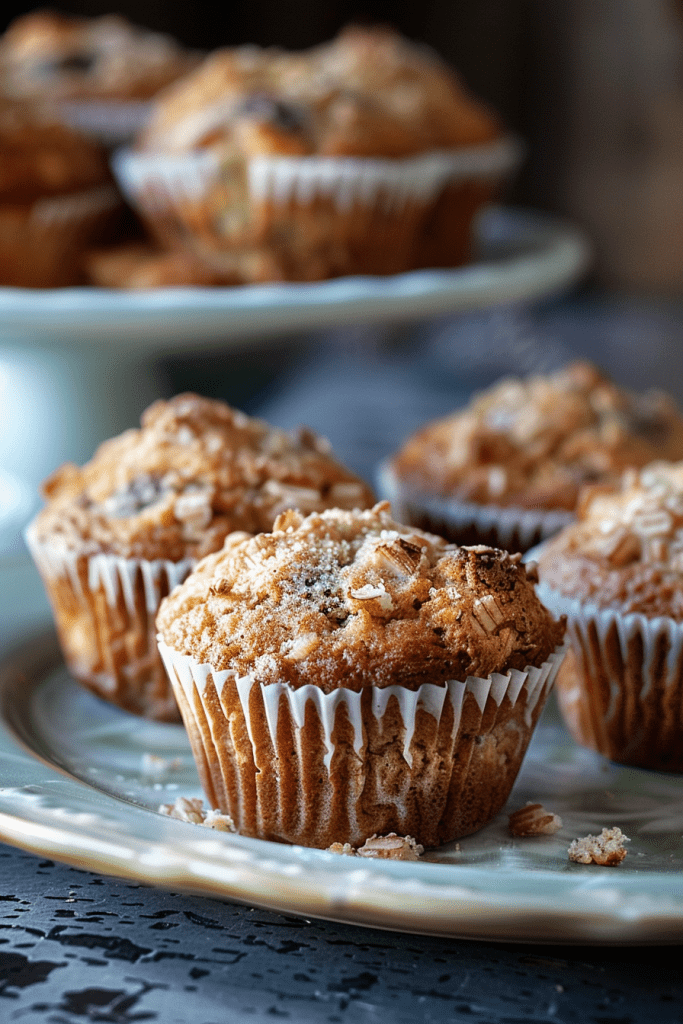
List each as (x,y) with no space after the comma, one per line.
(507,528)
(77,208)
(621,690)
(111,122)
(526,692)
(346,180)
(42,245)
(89,575)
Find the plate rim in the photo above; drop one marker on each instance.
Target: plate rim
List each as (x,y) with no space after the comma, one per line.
(552,255)
(45,816)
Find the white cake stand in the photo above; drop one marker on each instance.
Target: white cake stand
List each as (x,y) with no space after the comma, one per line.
(77,365)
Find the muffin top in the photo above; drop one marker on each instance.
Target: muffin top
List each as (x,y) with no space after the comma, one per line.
(194,472)
(534,443)
(58,56)
(41,157)
(625,550)
(369,92)
(355,599)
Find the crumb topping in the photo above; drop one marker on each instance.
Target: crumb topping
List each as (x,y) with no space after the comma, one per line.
(353,598)
(607,849)
(48,53)
(626,548)
(196,471)
(534,820)
(534,443)
(369,92)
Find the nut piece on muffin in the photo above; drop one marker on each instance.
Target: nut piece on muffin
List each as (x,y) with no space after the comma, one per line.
(117,534)
(56,197)
(346,676)
(617,573)
(363,155)
(509,467)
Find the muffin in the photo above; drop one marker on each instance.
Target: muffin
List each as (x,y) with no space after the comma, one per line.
(363,155)
(101,72)
(56,197)
(346,676)
(617,573)
(119,533)
(508,469)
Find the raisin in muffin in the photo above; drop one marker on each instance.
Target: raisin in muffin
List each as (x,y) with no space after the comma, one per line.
(509,467)
(117,534)
(346,676)
(56,197)
(364,155)
(617,573)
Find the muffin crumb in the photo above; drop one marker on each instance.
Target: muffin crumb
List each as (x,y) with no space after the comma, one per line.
(534,820)
(191,809)
(155,767)
(389,847)
(607,849)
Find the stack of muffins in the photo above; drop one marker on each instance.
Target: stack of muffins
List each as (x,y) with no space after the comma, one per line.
(339,673)
(365,155)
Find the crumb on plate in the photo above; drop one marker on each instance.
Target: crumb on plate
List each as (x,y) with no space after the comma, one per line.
(534,820)
(607,849)
(192,809)
(389,847)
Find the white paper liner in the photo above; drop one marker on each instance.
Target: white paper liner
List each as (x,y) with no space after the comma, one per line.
(112,122)
(526,689)
(618,727)
(117,578)
(452,516)
(347,180)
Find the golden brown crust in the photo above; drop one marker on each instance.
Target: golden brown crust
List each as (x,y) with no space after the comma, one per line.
(367,93)
(194,472)
(626,549)
(534,443)
(354,599)
(57,56)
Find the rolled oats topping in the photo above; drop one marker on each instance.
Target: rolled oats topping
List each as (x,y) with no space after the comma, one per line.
(318,601)
(626,548)
(534,443)
(194,472)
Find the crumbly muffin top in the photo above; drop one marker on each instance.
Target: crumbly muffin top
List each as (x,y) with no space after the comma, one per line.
(355,599)
(41,157)
(369,92)
(194,472)
(58,56)
(534,443)
(626,549)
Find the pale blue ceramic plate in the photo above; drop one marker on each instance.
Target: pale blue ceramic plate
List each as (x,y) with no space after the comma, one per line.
(75,786)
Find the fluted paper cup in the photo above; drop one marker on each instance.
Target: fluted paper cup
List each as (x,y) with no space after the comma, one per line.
(620,688)
(42,244)
(466,522)
(104,608)
(314,768)
(304,218)
(111,122)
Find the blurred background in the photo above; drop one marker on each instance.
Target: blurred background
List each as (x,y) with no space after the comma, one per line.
(594,88)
